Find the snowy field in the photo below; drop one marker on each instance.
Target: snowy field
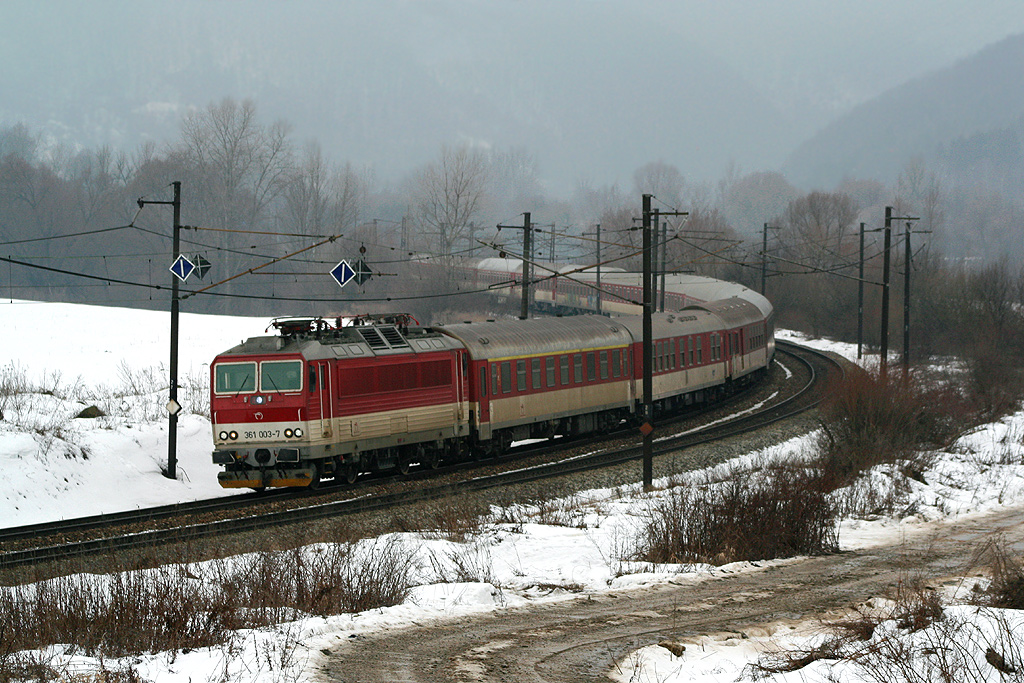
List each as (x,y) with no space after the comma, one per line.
(57,466)
(60,466)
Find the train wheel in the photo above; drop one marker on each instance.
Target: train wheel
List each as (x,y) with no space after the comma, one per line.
(350,474)
(404,465)
(504,443)
(433,458)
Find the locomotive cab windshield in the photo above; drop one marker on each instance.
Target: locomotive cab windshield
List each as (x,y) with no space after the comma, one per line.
(235,378)
(275,376)
(281,375)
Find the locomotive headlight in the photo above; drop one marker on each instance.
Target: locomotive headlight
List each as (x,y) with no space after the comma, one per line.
(298,433)
(258,400)
(223,436)
(287,433)
(233,435)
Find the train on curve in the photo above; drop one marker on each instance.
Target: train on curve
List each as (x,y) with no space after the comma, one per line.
(336,398)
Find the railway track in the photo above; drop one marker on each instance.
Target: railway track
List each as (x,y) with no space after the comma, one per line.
(61,541)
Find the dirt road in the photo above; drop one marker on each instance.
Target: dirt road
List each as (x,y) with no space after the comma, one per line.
(581,639)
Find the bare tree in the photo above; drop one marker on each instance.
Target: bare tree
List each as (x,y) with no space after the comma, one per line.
(514,180)
(817,238)
(94,183)
(662,180)
(348,191)
(17,140)
(449,192)
(240,166)
(307,197)
(755,199)
(819,227)
(705,244)
(622,240)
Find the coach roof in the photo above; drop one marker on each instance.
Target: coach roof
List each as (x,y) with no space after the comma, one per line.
(543,336)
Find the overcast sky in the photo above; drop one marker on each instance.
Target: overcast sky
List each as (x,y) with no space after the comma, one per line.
(73,68)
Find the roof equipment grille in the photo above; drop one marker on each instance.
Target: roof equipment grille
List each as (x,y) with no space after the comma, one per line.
(382,337)
(393,337)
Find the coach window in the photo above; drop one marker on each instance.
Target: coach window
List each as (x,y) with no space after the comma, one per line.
(700,351)
(563,364)
(550,362)
(616,362)
(536,373)
(506,377)
(483,380)
(591,367)
(604,365)
(520,375)
(577,363)
(494,378)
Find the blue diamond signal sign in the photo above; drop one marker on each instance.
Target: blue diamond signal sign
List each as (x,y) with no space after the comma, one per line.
(182,268)
(343,273)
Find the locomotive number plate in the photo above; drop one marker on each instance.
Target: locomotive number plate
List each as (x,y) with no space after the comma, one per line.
(263,434)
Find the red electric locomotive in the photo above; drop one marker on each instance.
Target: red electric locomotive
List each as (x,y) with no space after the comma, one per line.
(326,400)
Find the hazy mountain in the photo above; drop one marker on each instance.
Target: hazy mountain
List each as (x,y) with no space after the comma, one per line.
(965,114)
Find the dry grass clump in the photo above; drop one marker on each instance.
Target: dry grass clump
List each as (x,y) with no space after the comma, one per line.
(182,607)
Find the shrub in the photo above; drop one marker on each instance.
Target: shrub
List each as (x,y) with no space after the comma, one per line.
(875,418)
(781,513)
(1006,590)
(912,638)
(177,607)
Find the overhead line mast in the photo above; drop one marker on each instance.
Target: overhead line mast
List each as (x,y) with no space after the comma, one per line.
(647,427)
(173,407)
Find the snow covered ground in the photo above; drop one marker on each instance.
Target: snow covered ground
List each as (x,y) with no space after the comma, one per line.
(58,466)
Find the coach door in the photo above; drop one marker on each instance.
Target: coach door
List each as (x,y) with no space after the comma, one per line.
(735,353)
(322,396)
(484,395)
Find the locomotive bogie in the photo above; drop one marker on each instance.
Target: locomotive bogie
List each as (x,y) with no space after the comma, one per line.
(266,478)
